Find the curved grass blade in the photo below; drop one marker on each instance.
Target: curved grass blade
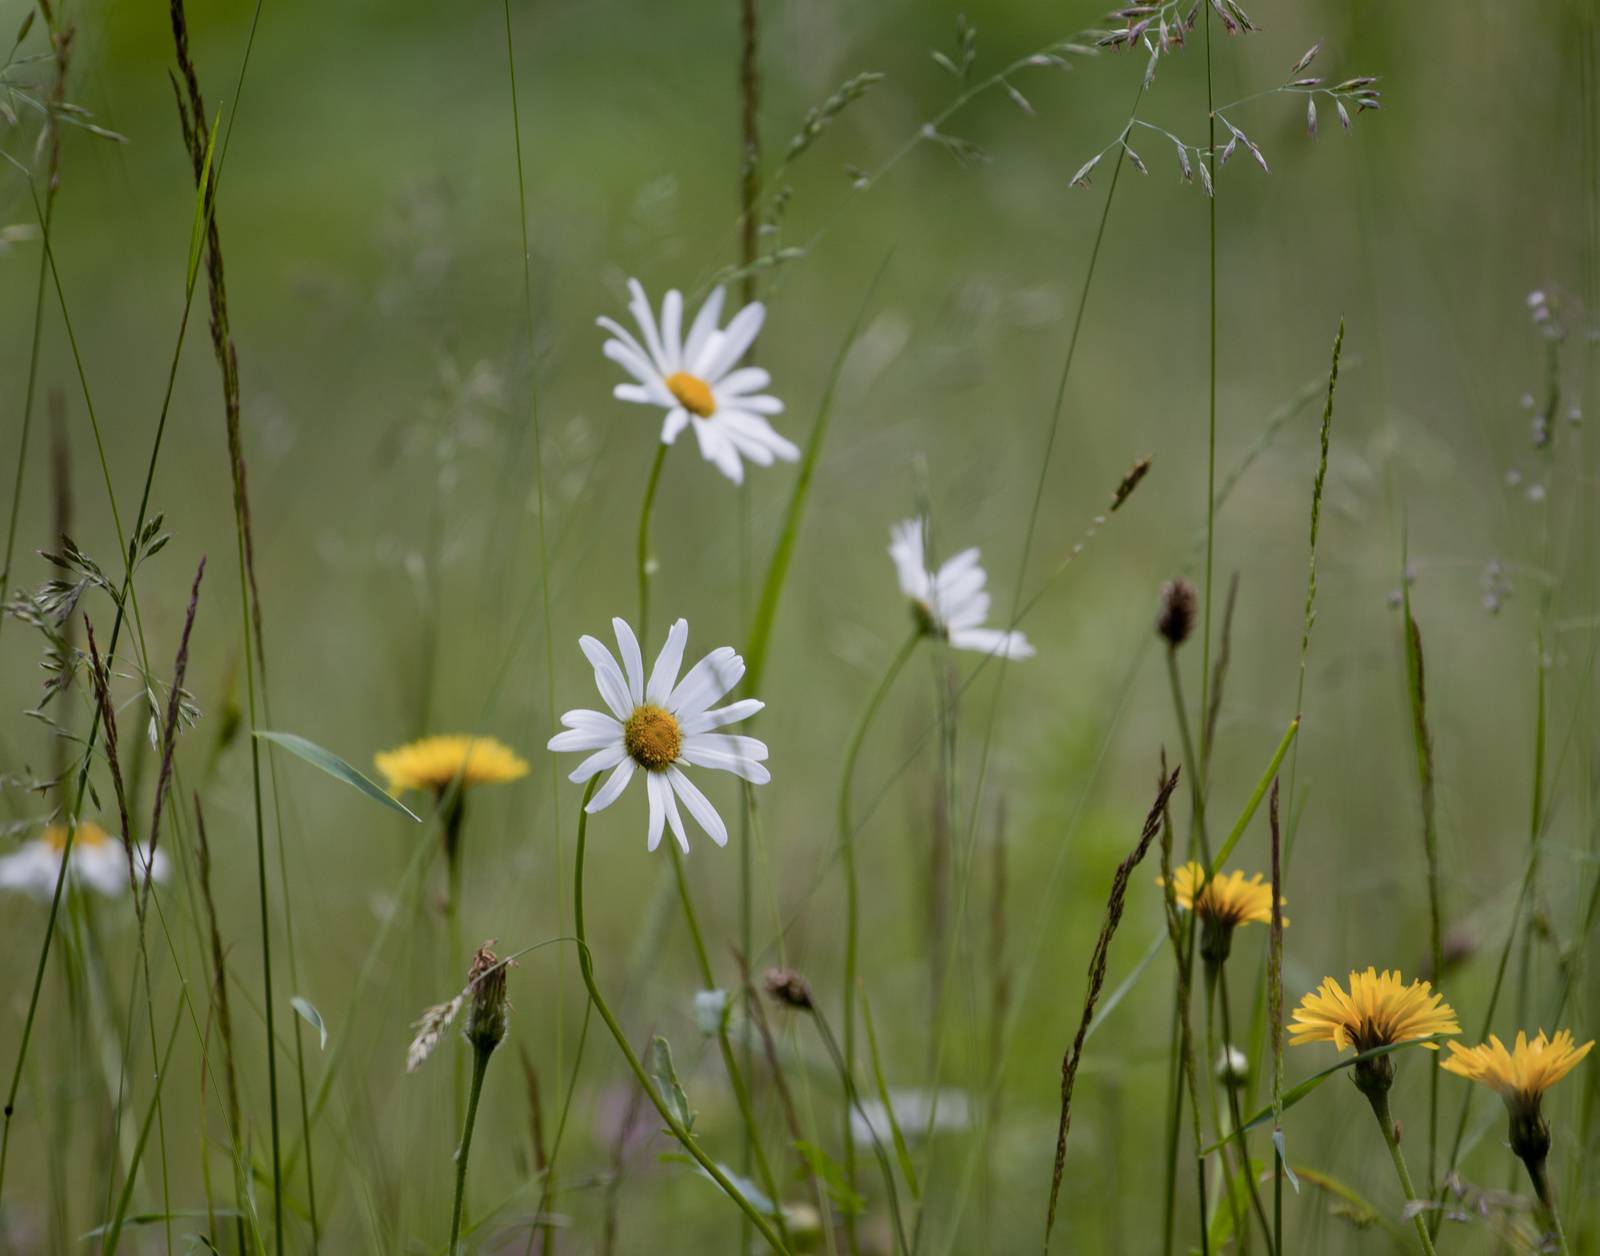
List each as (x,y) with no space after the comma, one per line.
(201,202)
(901,1151)
(308,1012)
(1295,1094)
(334,766)
(1157,944)
(1255,799)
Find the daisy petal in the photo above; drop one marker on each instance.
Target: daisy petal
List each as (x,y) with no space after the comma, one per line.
(720,761)
(677,420)
(736,337)
(672,330)
(905,547)
(730,714)
(705,325)
(717,449)
(673,818)
(608,677)
(747,379)
(654,783)
(668,663)
(592,722)
(707,681)
(584,739)
(632,360)
(628,645)
(645,317)
(1011,645)
(612,789)
(607,757)
(699,806)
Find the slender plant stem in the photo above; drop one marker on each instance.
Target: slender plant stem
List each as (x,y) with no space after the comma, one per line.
(586,968)
(741,1091)
(1197,792)
(1211,443)
(480,1063)
(1239,1217)
(646,558)
(1233,1108)
(1547,1206)
(1380,1109)
(847,844)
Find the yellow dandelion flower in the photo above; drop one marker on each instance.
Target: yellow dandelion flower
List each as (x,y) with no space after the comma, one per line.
(1229,899)
(1378,1012)
(1520,1075)
(435,762)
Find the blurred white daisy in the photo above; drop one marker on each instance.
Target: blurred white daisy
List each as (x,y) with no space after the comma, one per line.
(98,860)
(663,726)
(950,603)
(694,380)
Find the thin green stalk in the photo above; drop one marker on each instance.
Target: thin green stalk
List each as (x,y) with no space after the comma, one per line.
(1197,794)
(480,1063)
(646,558)
(1239,1218)
(1238,1119)
(1380,1109)
(741,1092)
(586,967)
(1211,442)
(544,547)
(847,842)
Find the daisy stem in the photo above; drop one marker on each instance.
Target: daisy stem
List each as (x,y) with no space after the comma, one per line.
(480,1062)
(741,1092)
(586,968)
(847,850)
(645,557)
(1212,970)
(1380,1109)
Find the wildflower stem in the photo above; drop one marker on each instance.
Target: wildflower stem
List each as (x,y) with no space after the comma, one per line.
(645,557)
(1238,1118)
(480,1062)
(741,1091)
(1547,1206)
(1196,789)
(1211,446)
(1379,1098)
(847,850)
(586,968)
(1212,971)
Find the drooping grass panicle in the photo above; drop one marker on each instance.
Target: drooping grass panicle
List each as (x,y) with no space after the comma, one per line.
(1097,977)
(169,730)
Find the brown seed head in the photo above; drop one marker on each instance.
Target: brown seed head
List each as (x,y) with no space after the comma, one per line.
(486,1017)
(1179,606)
(785,985)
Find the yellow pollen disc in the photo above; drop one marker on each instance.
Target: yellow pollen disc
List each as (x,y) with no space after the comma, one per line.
(694,395)
(651,737)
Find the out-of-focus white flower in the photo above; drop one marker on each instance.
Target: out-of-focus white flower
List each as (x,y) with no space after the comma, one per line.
(694,379)
(98,860)
(950,603)
(949,1107)
(663,726)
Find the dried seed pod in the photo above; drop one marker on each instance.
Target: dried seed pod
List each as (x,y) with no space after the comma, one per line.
(785,985)
(1179,607)
(486,1016)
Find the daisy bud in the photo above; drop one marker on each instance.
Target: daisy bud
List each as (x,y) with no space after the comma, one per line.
(486,1017)
(785,985)
(1233,1066)
(1179,605)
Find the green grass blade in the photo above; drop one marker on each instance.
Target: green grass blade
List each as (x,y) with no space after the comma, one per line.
(200,202)
(1255,799)
(114,1234)
(901,1151)
(755,655)
(1157,945)
(334,766)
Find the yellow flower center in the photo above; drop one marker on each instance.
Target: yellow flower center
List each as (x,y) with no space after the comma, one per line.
(694,395)
(651,736)
(89,834)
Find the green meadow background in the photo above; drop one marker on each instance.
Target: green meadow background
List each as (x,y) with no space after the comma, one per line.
(368,204)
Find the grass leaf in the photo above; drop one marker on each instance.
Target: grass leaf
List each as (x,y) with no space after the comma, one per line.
(840,1191)
(333,765)
(901,1151)
(1255,799)
(308,1011)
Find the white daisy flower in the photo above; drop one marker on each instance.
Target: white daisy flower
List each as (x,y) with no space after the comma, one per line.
(950,603)
(694,380)
(663,726)
(98,860)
